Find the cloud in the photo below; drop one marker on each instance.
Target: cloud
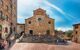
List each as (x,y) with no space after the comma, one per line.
(64,29)
(25,10)
(55,7)
(20,17)
(67,16)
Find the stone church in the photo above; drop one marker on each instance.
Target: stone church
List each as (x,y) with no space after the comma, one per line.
(39,24)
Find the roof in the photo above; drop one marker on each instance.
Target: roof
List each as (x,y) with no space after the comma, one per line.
(40,9)
(76,24)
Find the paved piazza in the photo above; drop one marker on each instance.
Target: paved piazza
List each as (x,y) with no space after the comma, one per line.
(41,46)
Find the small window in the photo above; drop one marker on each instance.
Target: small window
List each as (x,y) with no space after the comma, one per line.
(29,22)
(1,2)
(76,32)
(39,19)
(7,18)
(14,29)
(49,22)
(0,36)
(11,24)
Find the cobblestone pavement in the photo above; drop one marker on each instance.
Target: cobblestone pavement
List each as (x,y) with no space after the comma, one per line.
(41,46)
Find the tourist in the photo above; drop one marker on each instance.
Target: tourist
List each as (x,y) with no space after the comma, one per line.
(1,45)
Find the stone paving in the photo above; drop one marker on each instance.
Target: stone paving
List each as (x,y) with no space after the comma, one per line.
(42,46)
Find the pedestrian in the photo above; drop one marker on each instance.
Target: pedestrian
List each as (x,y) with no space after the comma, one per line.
(9,43)
(1,45)
(5,43)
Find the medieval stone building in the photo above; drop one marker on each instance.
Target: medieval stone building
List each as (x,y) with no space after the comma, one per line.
(39,23)
(76,33)
(8,17)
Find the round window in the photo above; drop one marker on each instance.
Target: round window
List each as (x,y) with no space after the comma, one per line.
(39,19)
(49,22)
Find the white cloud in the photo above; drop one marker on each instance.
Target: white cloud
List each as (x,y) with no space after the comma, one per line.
(20,17)
(67,16)
(63,29)
(25,8)
(55,7)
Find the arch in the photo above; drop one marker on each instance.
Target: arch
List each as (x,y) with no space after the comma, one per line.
(31,32)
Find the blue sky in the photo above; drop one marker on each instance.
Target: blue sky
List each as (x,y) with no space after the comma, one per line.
(65,12)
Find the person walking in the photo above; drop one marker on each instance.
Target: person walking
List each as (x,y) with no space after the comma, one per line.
(1,45)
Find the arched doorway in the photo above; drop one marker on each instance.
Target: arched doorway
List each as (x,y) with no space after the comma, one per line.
(48,32)
(31,32)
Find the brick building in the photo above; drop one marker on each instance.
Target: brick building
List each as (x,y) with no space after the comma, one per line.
(39,23)
(76,33)
(8,17)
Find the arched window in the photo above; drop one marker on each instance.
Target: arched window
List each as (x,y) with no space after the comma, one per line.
(0,27)
(1,14)
(0,36)
(49,22)
(29,22)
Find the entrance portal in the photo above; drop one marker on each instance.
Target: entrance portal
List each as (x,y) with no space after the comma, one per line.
(31,32)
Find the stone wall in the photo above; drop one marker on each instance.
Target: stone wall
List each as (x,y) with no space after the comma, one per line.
(7,19)
(76,33)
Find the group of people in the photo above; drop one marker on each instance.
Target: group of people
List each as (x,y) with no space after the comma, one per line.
(3,44)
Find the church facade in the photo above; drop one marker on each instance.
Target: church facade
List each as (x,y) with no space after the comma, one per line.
(39,23)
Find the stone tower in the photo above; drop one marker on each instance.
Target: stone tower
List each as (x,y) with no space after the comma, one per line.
(8,17)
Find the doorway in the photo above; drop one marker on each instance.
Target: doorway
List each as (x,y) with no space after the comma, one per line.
(31,32)
(48,32)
